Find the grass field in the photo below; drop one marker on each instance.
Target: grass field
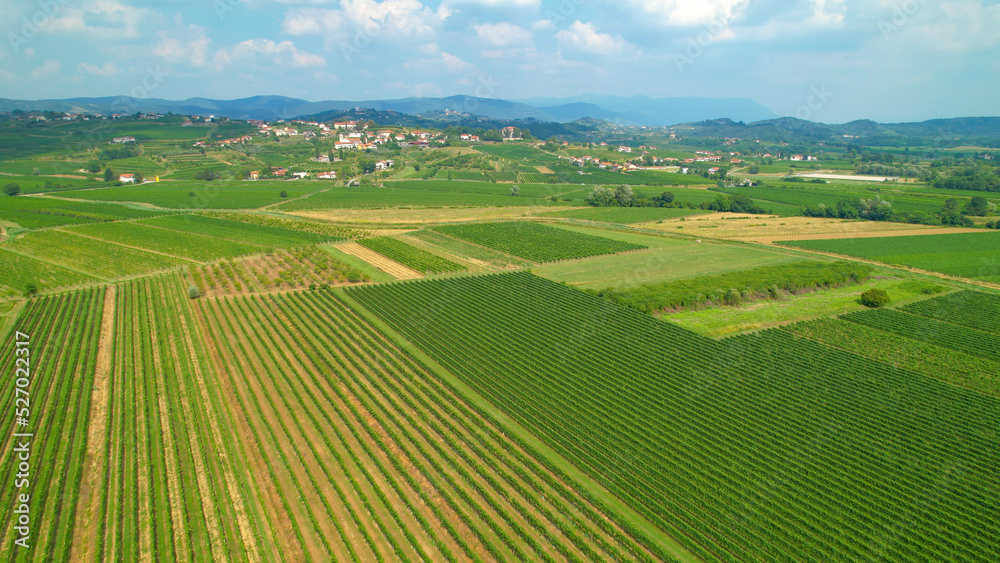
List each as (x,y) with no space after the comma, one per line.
(384,198)
(969,255)
(668,258)
(17,271)
(173,243)
(37,212)
(261,235)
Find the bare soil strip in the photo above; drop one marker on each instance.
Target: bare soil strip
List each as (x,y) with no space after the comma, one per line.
(381,262)
(88,519)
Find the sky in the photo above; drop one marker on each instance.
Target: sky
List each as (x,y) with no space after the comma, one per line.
(825,60)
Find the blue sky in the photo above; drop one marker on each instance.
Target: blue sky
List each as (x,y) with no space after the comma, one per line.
(827,60)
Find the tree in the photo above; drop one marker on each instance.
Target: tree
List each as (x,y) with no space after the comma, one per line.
(283,194)
(93,167)
(624,196)
(663,199)
(601,197)
(109,175)
(207,175)
(875,298)
(139,177)
(12,188)
(978,206)
(193,291)
(30,289)
(515,191)
(36,171)
(754,169)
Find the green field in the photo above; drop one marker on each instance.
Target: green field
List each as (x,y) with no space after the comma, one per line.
(969,255)
(17,271)
(668,258)
(536,242)
(90,256)
(207,195)
(388,197)
(169,242)
(720,443)
(260,235)
(35,212)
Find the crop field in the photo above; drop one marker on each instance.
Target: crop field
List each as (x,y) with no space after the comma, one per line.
(956,337)
(958,368)
(471,252)
(367,455)
(169,242)
(536,242)
(260,235)
(36,212)
(624,215)
(486,188)
(94,257)
(62,343)
(207,195)
(970,255)
(775,448)
(829,196)
(973,309)
(389,197)
(417,258)
(17,271)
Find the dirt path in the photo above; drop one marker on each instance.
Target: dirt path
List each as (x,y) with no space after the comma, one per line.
(88,516)
(381,262)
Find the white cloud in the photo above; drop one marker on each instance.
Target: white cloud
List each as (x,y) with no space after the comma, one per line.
(444,62)
(691,13)
(109,69)
(184,44)
(255,50)
(390,19)
(101,18)
(585,37)
(502,34)
(502,3)
(543,24)
(48,68)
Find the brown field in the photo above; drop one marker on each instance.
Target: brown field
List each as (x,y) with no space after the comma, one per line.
(421,216)
(768,229)
(381,262)
(544,169)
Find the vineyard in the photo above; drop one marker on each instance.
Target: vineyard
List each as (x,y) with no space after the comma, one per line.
(63,334)
(36,212)
(760,448)
(411,256)
(490,258)
(536,242)
(972,309)
(951,366)
(333,231)
(368,456)
(952,336)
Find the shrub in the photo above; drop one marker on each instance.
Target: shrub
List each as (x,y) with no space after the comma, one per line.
(12,188)
(30,289)
(283,194)
(193,292)
(875,298)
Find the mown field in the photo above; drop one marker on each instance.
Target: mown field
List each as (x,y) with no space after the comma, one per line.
(970,255)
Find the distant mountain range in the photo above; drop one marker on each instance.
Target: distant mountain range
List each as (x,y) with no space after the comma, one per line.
(637,110)
(576,117)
